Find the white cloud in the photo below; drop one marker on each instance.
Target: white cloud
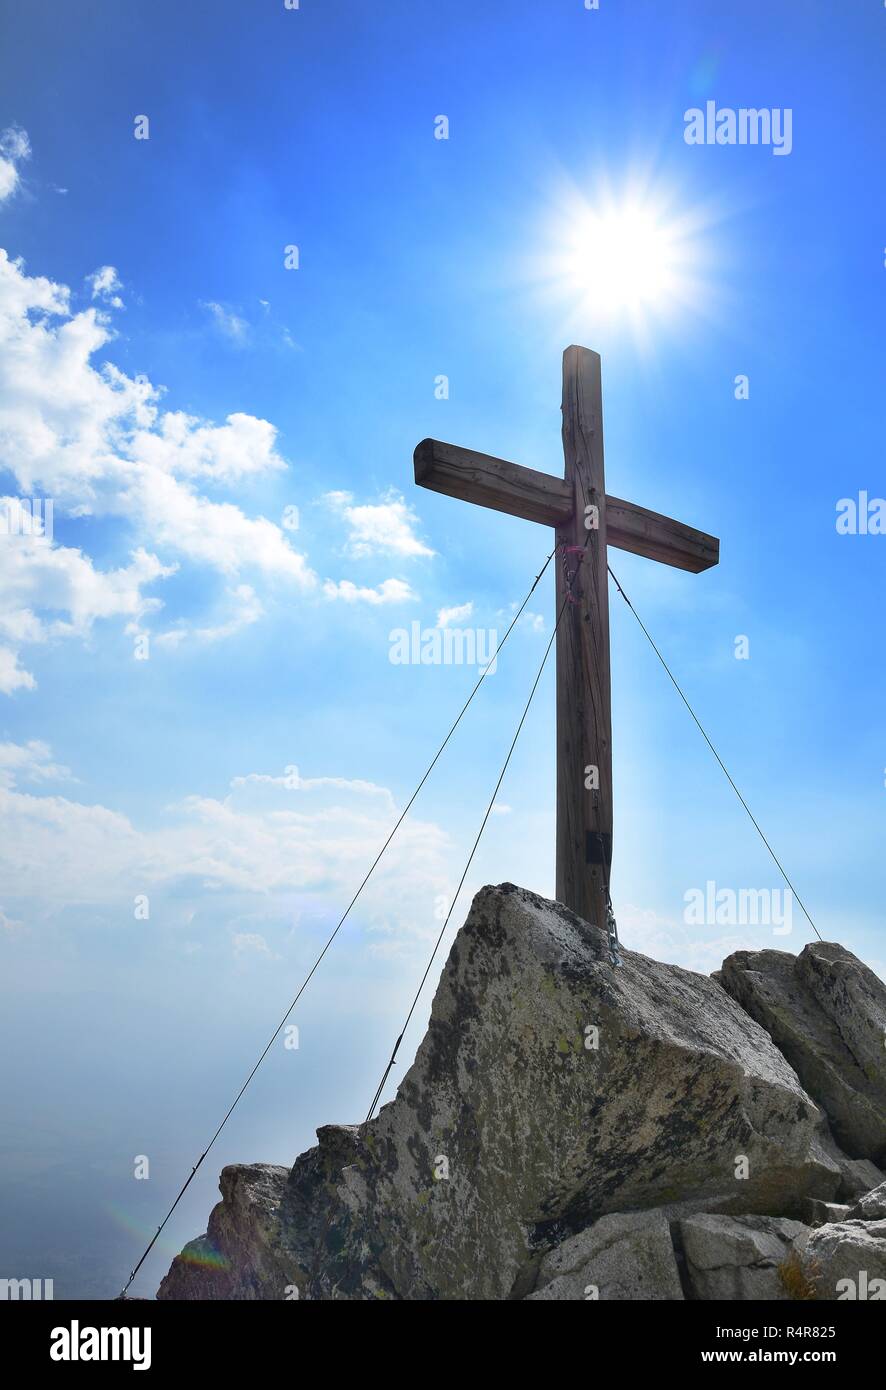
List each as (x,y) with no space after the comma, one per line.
(245,609)
(385,527)
(105,284)
(292,780)
(666,939)
(533,621)
(57,851)
(445,616)
(15,148)
(12,676)
(98,443)
(263,842)
(390,591)
(92,436)
(182,445)
(70,593)
(229,324)
(264,837)
(63,581)
(245,943)
(29,762)
(216,534)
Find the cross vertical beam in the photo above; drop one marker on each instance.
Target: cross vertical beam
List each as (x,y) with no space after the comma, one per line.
(584,720)
(585,521)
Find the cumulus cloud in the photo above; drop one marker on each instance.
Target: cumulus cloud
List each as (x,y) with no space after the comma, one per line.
(445,616)
(245,609)
(184,446)
(99,443)
(90,435)
(12,675)
(29,762)
(54,851)
(15,148)
(73,594)
(51,591)
(261,842)
(390,591)
(105,284)
(216,534)
(384,527)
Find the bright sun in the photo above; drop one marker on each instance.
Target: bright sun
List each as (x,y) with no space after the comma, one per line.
(623,258)
(627,257)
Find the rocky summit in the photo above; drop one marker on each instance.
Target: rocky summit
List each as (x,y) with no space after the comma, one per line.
(571,1131)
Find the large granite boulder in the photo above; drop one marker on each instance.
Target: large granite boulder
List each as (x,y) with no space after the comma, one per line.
(239,1257)
(549,1091)
(618,1259)
(826,1011)
(739,1257)
(870,1207)
(817,1213)
(847,1261)
(857,1175)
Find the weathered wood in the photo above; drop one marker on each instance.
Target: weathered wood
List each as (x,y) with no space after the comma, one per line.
(584,734)
(633,528)
(509,487)
(492,482)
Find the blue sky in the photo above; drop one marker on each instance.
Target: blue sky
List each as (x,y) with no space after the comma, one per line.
(238,388)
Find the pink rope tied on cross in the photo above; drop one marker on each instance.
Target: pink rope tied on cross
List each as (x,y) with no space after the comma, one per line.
(570,574)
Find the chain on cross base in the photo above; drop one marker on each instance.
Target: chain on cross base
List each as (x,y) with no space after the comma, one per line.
(611,924)
(612,932)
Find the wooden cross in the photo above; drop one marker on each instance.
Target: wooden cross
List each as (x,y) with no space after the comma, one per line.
(586,521)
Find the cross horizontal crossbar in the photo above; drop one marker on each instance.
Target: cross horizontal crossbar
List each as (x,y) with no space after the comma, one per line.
(524,492)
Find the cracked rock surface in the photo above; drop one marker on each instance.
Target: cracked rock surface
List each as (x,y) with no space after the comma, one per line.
(826,1011)
(561,1124)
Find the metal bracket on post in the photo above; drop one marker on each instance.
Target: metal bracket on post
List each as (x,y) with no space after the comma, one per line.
(598,850)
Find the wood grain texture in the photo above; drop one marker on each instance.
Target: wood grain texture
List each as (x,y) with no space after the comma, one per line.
(634,528)
(509,487)
(584,721)
(584,732)
(492,482)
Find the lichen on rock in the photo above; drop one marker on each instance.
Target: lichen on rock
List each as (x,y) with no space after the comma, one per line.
(551,1095)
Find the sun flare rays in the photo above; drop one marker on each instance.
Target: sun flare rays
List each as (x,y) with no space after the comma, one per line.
(626,258)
